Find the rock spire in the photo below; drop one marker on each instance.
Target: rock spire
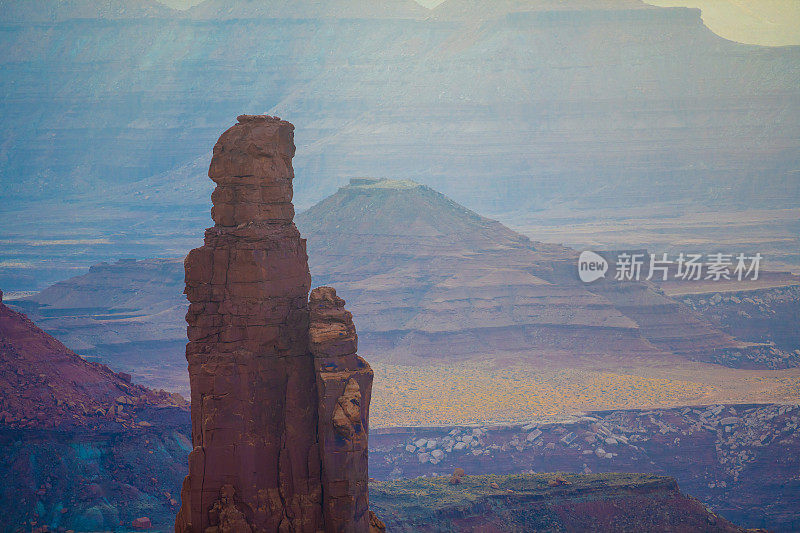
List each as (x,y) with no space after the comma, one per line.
(279,425)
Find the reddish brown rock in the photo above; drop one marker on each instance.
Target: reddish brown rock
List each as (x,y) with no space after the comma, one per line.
(43,384)
(344,386)
(376,525)
(254,420)
(256,463)
(142,523)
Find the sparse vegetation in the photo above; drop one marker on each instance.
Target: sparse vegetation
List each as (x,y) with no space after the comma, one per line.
(472,393)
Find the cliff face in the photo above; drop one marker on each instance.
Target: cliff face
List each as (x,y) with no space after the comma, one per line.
(256,462)
(769,316)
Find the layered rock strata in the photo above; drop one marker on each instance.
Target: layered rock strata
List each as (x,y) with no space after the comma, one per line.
(256,463)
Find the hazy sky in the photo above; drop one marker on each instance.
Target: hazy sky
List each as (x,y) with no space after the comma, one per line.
(765,22)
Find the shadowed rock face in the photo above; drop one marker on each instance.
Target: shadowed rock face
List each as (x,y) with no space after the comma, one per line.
(344,386)
(256,463)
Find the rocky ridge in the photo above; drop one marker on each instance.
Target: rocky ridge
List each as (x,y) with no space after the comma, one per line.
(543,503)
(46,386)
(81,447)
(737,430)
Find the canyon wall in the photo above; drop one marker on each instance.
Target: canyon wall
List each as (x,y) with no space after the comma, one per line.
(596,107)
(256,463)
(82,447)
(46,386)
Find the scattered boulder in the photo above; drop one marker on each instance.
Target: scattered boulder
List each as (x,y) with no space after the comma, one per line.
(557,481)
(533,435)
(142,523)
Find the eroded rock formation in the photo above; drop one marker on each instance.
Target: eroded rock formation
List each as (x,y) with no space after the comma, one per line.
(257,462)
(344,386)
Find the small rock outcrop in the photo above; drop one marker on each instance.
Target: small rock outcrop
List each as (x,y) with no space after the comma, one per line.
(280,400)
(344,387)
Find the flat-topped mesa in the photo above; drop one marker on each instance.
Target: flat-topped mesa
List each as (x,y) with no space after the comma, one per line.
(262,412)
(252,167)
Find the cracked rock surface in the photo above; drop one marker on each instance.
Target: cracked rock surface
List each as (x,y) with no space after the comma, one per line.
(257,462)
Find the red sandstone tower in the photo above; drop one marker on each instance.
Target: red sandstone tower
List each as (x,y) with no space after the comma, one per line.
(258,416)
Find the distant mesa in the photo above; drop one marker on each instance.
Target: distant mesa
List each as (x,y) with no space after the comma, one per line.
(55,11)
(423,275)
(383,183)
(309,9)
(427,277)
